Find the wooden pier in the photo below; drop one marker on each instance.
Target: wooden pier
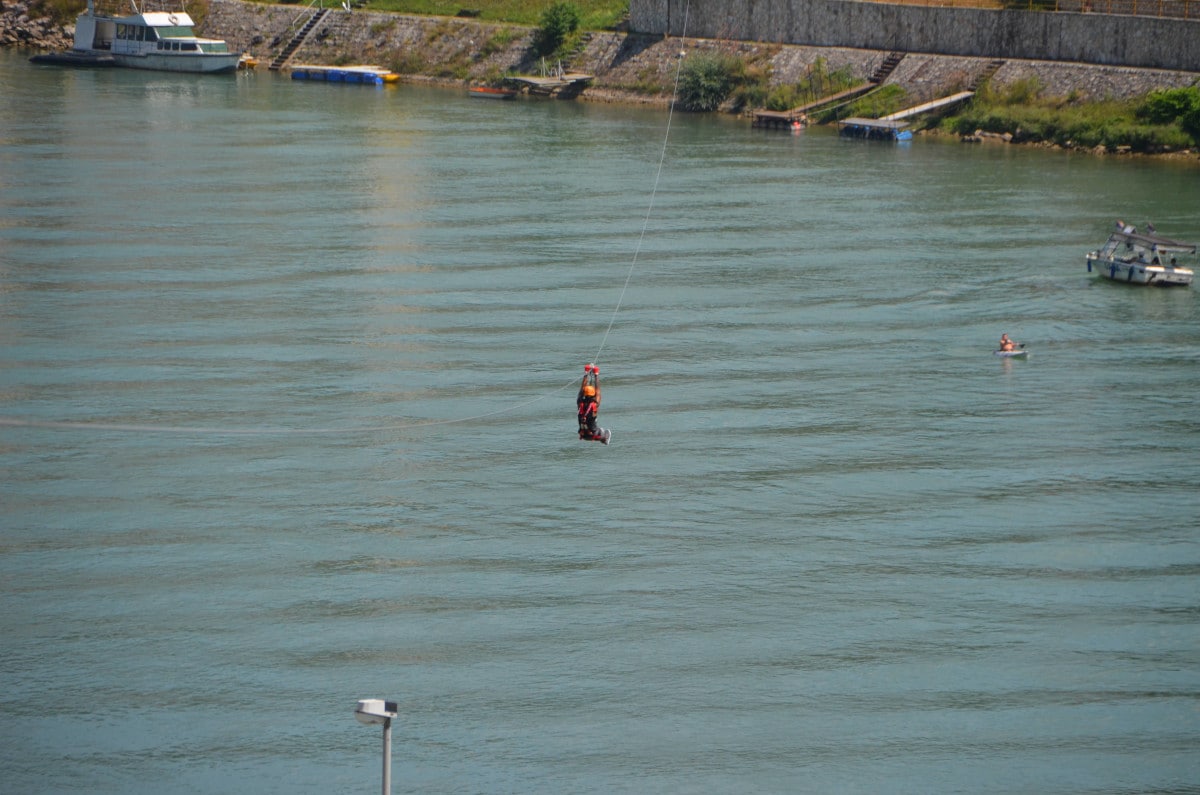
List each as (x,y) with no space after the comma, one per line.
(566,85)
(783,119)
(936,104)
(779,119)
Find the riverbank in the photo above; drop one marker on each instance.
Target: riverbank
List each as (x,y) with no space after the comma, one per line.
(632,67)
(20,30)
(626,67)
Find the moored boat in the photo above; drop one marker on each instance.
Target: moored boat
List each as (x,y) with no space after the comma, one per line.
(1145,259)
(158,40)
(492,92)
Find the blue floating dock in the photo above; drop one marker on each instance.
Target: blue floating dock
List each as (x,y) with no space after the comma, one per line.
(367,75)
(885,129)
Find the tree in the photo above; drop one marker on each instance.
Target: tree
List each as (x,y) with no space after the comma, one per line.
(707,80)
(558,22)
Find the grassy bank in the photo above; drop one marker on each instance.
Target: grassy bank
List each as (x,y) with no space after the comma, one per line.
(593,14)
(1166,120)
(1162,121)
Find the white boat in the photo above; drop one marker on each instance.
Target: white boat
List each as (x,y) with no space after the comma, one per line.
(1148,259)
(158,40)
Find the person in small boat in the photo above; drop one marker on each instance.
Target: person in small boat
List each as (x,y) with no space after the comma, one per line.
(1006,344)
(587,402)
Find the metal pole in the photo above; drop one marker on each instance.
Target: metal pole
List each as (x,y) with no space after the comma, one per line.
(387,756)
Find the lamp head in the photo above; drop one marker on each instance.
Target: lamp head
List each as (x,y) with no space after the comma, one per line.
(375,711)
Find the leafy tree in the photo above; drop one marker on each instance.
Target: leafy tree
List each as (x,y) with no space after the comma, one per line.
(558,22)
(1173,105)
(707,80)
(1166,105)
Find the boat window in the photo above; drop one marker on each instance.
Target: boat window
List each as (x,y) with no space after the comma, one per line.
(120,31)
(189,46)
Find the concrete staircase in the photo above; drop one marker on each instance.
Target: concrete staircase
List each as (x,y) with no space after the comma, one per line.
(888,66)
(985,75)
(298,39)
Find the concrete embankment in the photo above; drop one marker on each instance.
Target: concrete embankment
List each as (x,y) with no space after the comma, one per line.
(626,67)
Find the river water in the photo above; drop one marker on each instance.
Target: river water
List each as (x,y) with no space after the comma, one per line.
(287,378)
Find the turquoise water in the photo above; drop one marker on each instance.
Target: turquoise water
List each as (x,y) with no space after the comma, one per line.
(287,378)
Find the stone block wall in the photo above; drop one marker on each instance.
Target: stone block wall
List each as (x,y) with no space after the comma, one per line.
(1113,40)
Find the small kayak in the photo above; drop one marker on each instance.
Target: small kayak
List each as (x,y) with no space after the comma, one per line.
(1011,354)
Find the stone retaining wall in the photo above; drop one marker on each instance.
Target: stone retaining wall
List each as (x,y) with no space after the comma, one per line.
(1139,41)
(624,65)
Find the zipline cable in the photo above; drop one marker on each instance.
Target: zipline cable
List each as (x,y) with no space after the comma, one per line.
(16,422)
(653,191)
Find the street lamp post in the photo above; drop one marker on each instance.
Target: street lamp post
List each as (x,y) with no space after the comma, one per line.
(377,712)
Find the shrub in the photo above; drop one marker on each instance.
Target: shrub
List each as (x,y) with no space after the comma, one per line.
(707,80)
(558,22)
(408,63)
(1167,105)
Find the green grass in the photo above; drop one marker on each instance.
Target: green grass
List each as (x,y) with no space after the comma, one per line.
(817,82)
(1023,110)
(593,14)
(64,12)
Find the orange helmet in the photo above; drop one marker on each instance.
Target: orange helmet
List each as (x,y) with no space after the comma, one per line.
(589,390)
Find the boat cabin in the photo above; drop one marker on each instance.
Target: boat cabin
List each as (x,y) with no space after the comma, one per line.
(1143,259)
(142,34)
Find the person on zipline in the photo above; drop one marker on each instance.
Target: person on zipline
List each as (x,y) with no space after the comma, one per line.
(587,403)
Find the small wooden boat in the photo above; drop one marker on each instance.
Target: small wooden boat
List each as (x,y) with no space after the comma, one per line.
(492,92)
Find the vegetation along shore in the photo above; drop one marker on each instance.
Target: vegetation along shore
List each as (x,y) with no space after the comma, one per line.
(1101,109)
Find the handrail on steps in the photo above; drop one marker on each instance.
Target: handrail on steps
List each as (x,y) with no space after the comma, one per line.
(305,15)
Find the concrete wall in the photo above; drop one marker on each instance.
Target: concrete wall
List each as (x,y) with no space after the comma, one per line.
(1085,38)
